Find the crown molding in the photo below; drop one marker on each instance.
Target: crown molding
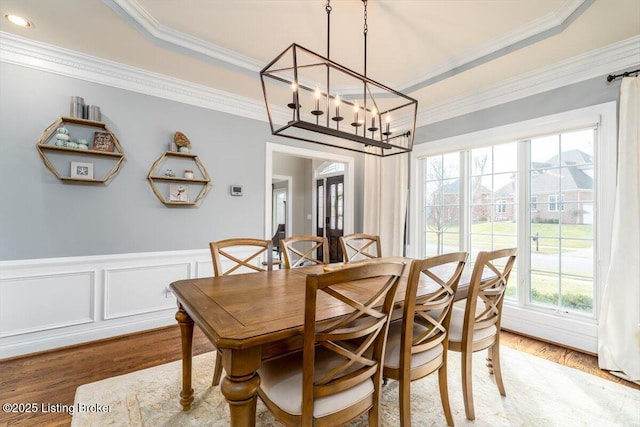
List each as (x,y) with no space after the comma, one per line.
(45,57)
(134,14)
(27,53)
(597,63)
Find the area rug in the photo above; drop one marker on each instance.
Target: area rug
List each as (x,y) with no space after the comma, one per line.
(539,393)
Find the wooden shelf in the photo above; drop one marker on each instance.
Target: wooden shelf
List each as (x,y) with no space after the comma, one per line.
(114,158)
(203,183)
(178,179)
(49,147)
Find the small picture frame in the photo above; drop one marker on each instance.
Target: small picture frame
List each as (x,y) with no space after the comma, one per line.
(81,170)
(103,141)
(178,193)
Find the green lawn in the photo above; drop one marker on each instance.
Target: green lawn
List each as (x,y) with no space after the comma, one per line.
(504,235)
(577,293)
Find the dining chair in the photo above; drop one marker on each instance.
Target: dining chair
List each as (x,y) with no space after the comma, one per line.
(303,250)
(360,246)
(227,261)
(338,374)
(476,325)
(417,344)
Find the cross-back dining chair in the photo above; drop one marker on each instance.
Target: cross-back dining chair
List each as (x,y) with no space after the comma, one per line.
(303,250)
(476,326)
(338,374)
(227,261)
(360,246)
(417,344)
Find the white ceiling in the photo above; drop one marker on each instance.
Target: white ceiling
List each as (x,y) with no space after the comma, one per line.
(433,50)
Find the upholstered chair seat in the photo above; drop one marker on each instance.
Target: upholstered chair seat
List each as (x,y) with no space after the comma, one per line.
(281,382)
(392,351)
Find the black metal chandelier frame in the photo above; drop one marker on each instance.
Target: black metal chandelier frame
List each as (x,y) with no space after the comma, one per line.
(377,138)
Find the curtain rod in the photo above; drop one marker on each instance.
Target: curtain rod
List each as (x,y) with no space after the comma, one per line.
(612,77)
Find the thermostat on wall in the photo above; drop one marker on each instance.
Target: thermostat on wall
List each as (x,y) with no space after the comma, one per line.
(236,190)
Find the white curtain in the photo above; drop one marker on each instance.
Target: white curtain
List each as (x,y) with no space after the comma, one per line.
(385,200)
(619,326)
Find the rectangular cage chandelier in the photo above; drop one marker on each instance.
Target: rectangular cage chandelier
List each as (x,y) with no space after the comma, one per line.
(311,98)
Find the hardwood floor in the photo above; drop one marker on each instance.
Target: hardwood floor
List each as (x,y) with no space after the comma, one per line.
(51,378)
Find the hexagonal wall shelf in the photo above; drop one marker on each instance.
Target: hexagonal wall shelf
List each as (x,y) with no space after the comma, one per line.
(94,162)
(176,188)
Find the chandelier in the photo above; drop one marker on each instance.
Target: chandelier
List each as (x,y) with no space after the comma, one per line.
(311,98)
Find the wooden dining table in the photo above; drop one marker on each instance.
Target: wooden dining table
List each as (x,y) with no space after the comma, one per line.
(253,317)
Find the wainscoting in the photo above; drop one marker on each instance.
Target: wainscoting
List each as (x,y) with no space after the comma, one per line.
(51,303)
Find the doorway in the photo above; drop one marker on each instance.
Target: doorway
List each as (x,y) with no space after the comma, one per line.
(330,213)
(303,220)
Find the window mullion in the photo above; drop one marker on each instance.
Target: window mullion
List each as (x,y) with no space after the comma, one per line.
(524,222)
(465,217)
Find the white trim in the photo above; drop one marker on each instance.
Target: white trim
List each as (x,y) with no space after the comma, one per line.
(349,179)
(617,56)
(574,331)
(147,312)
(547,23)
(144,22)
(45,57)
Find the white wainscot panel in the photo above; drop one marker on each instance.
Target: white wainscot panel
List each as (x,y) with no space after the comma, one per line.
(39,303)
(138,290)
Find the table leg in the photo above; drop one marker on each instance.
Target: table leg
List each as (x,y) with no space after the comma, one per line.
(240,385)
(186,330)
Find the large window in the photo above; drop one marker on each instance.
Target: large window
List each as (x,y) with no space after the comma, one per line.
(538,193)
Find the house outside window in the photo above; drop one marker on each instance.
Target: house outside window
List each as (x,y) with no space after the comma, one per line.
(556,280)
(556,202)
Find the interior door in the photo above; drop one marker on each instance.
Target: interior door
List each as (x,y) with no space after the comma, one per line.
(330,194)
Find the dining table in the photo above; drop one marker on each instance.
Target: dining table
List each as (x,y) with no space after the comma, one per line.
(254,317)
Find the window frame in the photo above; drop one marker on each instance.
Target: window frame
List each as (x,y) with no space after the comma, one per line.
(551,324)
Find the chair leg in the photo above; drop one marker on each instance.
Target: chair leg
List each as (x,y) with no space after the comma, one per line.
(467,391)
(405,403)
(495,356)
(444,394)
(217,372)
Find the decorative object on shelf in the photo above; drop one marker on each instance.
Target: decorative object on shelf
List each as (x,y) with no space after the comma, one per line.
(81,170)
(178,193)
(102,141)
(56,139)
(62,137)
(76,107)
(172,147)
(94,113)
(166,186)
(83,144)
(183,143)
(303,77)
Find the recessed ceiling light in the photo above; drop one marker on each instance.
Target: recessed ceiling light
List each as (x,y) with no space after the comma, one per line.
(18,20)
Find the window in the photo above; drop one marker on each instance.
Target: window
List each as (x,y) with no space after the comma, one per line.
(483,195)
(555,202)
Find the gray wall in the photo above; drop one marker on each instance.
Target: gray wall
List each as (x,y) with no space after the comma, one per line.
(579,95)
(300,171)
